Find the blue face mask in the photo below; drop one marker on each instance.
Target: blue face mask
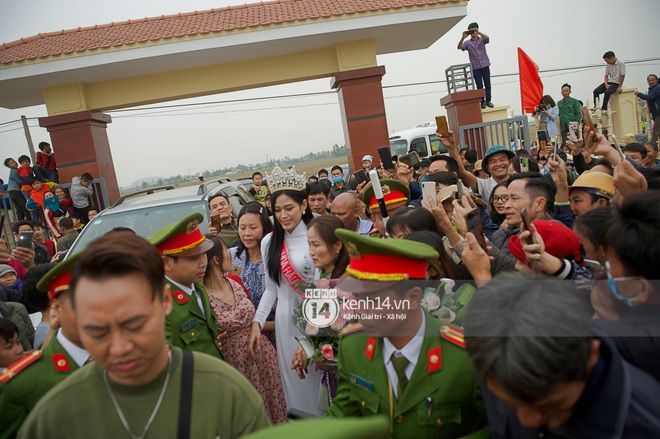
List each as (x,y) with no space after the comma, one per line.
(52,203)
(337,179)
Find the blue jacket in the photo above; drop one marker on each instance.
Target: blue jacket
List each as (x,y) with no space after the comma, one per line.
(653,98)
(14,182)
(620,401)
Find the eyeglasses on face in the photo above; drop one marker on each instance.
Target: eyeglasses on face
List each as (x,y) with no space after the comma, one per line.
(502,199)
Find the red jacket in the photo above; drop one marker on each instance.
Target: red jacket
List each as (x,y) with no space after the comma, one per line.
(43,161)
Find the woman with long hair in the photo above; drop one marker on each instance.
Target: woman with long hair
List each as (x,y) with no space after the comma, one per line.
(497,204)
(288,265)
(411,220)
(253,225)
(64,198)
(547,112)
(53,211)
(234,311)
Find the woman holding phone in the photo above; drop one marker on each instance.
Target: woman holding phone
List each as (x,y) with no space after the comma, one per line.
(547,111)
(288,264)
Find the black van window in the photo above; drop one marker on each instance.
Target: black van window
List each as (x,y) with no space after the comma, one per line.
(419,144)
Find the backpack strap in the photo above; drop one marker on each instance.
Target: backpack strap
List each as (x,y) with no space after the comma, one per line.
(185,398)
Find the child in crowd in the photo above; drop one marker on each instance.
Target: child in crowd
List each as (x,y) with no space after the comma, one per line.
(260,192)
(77,221)
(39,189)
(11,349)
(8,278)
(40,238)
(25,174)
(46,163)
(14,190)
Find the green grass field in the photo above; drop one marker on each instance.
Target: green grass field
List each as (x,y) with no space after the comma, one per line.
(310,167)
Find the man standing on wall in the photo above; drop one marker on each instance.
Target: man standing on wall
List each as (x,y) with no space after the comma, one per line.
(569,111)
(476,48)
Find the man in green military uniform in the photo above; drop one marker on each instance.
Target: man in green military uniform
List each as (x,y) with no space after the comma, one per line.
(407,365)
(138,386)
(395,195)
(192,323)
(27,380)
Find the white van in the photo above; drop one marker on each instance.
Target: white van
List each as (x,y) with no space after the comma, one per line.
(421,138)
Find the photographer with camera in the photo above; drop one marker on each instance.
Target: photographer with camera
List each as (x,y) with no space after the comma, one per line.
(547,111)
(476,48)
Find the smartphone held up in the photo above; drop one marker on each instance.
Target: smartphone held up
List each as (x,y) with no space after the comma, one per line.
(443,127)
(475,226)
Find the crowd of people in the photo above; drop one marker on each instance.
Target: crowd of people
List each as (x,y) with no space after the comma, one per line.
(525,291)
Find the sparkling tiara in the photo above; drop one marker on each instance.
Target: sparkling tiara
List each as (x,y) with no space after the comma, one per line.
(280,180)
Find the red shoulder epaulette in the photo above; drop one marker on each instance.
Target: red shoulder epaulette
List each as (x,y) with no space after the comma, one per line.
(371,347)
(454,334)
(18,366)
(180,297)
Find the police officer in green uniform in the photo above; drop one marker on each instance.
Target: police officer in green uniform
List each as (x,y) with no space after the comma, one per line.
(405,364)
(30,378)
(138,385)
(395,196)
(192,323)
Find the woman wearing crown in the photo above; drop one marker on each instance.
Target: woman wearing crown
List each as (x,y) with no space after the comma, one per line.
(288,264)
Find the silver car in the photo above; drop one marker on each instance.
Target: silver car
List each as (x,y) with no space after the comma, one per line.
(147,211)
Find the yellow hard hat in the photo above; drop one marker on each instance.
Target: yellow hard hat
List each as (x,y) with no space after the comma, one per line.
(594,182)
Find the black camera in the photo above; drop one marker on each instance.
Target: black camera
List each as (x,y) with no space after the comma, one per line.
(541,107)
(471,31)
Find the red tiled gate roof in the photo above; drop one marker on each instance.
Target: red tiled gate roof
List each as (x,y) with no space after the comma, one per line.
(189,24)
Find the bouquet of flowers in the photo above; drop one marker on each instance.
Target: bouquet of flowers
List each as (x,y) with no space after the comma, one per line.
(445,303)
(323,342)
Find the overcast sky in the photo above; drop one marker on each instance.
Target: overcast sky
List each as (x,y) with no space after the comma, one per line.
(561,34)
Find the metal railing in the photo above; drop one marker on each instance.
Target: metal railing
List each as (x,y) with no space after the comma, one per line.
(511,133)
(459,78)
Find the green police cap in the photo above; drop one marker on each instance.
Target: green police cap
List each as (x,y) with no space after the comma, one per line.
(56,280)
(372,427)
(394,191)
(182,238)
(376,264)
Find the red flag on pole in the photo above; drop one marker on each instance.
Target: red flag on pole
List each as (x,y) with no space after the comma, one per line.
(531,87)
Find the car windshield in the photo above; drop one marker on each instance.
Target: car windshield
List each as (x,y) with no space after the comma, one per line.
(144,222)
(399,147)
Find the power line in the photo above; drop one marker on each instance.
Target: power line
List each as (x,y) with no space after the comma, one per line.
(182,107)
(413,84)
(14,121)
(18,129)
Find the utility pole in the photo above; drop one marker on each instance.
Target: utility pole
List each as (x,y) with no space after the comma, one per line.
(28,137)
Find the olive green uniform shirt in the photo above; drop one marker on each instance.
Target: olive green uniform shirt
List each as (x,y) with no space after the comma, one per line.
(20,394)
(187,327)
(224,404)
(442,403)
